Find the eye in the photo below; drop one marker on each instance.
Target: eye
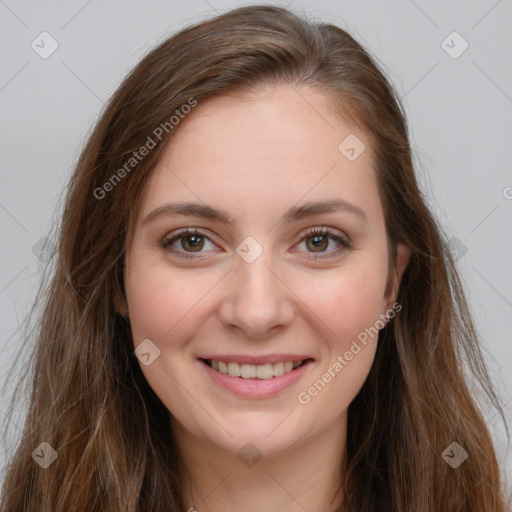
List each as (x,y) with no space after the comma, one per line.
(317,240)
(190,240)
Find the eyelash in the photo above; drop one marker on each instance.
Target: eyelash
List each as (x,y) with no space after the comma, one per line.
(312,232)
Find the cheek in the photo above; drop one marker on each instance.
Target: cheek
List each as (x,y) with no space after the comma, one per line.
(350,305)
(162,302)
(165,307)
(347,300)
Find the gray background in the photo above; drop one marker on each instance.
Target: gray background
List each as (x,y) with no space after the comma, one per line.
(459,111)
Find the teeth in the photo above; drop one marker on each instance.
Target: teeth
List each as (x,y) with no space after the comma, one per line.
(265,371)
(278,369)
(251,371)
(233,369)
(247,371)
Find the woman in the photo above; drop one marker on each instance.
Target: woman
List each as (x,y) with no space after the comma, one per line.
(252,307)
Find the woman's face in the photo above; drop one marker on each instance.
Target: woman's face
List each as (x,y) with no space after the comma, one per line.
(289,265)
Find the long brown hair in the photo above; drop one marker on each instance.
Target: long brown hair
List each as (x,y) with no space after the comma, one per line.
(88,398)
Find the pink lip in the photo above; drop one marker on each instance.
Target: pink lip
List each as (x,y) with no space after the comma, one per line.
(256,388)
(269,359)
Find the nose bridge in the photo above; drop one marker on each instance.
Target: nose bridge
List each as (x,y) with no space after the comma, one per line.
(256,300)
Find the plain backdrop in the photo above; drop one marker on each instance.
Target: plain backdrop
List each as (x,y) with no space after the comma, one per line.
(449,61)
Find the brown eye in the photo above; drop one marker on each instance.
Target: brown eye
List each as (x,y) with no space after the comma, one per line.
(186,242)
(318,240)
(192,242)
(318,243)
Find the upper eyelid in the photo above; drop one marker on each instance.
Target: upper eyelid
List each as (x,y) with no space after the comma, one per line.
(327,230)
(186,231)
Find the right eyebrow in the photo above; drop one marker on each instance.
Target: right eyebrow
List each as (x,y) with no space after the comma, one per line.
(190,210)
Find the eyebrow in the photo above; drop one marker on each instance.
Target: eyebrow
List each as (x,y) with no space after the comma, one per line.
(294,214)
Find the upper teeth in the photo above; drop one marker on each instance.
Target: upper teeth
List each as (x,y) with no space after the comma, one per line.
(251,371)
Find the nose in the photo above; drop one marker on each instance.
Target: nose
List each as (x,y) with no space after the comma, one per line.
(256,299)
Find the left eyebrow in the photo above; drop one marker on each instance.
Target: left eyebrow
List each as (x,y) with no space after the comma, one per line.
(292,215)
(319,207)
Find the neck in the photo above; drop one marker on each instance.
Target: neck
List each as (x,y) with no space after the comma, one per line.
(305,476)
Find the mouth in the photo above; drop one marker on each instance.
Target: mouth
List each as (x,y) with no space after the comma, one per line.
(266,371)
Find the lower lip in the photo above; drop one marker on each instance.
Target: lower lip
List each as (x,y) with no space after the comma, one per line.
(256,388)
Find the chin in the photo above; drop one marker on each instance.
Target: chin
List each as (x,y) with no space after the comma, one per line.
(266,435)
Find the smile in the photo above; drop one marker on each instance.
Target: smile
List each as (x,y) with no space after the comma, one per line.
(256,378)
(251,371)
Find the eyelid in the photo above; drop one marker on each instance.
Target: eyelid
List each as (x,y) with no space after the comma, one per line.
(327,231)
(173,235)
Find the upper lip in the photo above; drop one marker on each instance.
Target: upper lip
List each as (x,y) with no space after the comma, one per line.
(256,360)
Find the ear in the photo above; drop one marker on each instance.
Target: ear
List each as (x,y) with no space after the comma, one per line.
(403,255)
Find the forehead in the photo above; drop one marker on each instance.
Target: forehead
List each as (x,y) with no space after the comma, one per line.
(263,149)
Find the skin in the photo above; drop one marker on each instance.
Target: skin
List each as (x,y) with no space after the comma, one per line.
(255,155)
